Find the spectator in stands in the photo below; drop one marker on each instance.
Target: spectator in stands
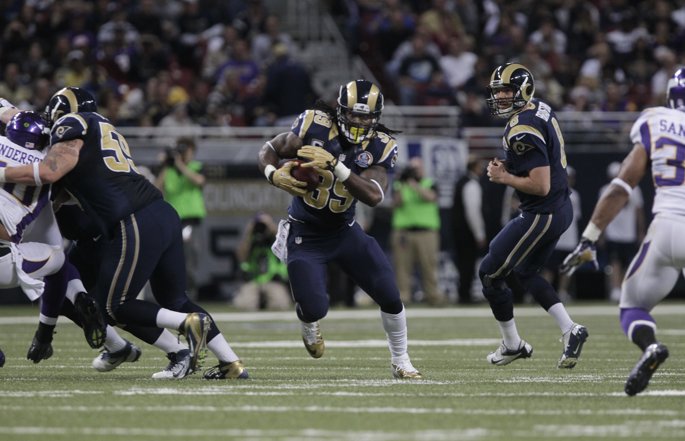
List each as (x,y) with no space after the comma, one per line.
(442,22)
(264,42)
(623,235)
(550,40)
(406,49)
(416,233)
(251,20)
(218,51)
(240,62)
(11,87)
(288,90)
(394,26)
(624,38)
(75,73)
(667,62)
(459,63)
(416,72)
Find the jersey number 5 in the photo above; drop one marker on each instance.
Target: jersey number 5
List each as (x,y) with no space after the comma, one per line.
(120,159)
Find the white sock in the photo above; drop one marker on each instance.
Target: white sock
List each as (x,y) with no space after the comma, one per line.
(510,335)
(113,341)
(169,319)
(220,347)
(395,326)
(558,311)
(44,319)
(74,287)
(169,343)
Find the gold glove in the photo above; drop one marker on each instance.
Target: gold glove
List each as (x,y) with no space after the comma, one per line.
(285,181)
(317,157)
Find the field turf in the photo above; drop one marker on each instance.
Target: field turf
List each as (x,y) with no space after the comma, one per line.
(349,394)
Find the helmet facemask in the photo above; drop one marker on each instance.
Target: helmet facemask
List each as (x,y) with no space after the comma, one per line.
(514,77)
(360,103)
(357,126)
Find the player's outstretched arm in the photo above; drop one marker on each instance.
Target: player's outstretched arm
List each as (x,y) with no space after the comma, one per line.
(60,160)
(609,205)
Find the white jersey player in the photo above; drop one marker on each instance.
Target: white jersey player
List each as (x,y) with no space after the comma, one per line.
(31,252)
(31,242)
(658,138)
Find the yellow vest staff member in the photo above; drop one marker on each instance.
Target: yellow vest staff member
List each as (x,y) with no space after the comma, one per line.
(181,181)
(415,236)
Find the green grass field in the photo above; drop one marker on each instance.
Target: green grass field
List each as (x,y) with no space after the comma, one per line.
(349,394)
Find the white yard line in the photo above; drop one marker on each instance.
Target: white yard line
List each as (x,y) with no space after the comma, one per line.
(364,314)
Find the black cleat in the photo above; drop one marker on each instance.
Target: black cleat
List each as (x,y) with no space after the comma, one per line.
(651,359)
(92,321)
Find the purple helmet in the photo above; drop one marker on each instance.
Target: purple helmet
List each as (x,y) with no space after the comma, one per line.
(29,130)
(675,91)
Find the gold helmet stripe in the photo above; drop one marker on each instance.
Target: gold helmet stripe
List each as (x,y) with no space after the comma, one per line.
(351,93)
(71,98)
(509,70)
(373,97)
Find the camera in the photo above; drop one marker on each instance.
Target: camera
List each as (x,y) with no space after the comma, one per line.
(170,156)
(408,173)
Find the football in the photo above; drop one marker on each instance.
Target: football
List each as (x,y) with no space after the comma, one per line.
(305,174)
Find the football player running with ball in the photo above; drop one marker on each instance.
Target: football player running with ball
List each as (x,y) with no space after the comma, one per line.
(535,166)
(352,153)
(658,137)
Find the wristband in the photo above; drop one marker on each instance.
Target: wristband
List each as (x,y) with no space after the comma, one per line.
(341,171)
(2,174)
(623,184)
(592,232)
(36,174)
(269,171)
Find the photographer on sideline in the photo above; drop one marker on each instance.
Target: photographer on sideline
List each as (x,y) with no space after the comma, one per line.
(266,277)
(416,233)
(181,181)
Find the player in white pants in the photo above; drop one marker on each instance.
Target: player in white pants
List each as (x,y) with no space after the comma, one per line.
(658,138)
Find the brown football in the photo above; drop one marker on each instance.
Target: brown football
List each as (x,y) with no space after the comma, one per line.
(305,174)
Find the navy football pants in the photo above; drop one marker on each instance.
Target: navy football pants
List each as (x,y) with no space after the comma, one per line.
(357,253)
(522,247)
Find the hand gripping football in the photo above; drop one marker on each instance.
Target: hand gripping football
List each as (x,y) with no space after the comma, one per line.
(305,174)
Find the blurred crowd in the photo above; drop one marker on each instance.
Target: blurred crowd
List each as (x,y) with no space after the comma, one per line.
(154,63)
(608,55)
(216,63)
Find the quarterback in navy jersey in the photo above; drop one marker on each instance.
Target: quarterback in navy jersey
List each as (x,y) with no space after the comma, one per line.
(352,153)
(535,166)
(140,231)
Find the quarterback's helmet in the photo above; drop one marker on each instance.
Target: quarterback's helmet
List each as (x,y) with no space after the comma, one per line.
(69,100)
(29,130)
(360,103)
(675,91)
(515,77)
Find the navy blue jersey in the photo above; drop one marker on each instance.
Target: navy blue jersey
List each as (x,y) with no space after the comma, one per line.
(330,206)
(105,180)
(532,138)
